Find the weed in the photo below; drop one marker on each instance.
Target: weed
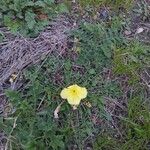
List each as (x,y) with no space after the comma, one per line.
(34,106)
(115,3)
(136,127)
(97,42)
(28,17)
(130,60)
(97,47)
(36,127)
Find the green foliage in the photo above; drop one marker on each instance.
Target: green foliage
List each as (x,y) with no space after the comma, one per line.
(105,142)
(34,106)
(136,128)
(36,127)
(115,3)
(129,60)
(1,36)
(97,48)
(139,122)
(28,17)
(97,42)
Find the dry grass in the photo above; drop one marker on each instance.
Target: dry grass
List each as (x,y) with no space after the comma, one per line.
(18,52)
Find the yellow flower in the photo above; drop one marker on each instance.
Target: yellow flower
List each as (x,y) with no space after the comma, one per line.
(74,94)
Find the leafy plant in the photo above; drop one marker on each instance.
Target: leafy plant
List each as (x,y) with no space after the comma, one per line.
(96,43)
(34,106)
(97,47)
(26,16)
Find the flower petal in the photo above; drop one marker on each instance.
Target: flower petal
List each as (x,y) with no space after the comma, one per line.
(74,86)
(64,93)
(74,101)
(83,93)
(74,94)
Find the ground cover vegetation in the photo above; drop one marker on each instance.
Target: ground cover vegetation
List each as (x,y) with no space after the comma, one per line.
(105,54)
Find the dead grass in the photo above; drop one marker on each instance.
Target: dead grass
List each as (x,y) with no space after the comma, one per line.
(18,52)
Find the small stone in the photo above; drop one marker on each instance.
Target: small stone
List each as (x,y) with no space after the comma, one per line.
(139,30)
(126,32)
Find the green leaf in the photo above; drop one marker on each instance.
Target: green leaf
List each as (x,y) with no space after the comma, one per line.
(49,1)
(40,4)
(7,20)
(30,19)
(13,25)
(107,51)
(29,4)
(63,8)
(15,97)
(92,71)
(1,36)
(56,142)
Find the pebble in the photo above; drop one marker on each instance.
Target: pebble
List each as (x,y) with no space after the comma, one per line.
(126,32)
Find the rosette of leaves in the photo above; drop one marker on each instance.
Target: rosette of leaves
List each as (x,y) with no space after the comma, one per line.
(28,17)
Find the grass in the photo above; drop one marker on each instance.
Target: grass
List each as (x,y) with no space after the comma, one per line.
(136,135)
(130,60)
(109,66)
(96,3)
